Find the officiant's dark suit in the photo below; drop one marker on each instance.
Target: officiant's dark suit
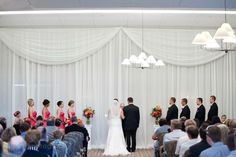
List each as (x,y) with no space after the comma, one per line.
(131,124)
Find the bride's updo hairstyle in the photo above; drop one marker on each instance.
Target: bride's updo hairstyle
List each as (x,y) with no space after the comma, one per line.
(46,102)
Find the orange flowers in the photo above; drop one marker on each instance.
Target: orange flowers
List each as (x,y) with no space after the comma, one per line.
(88,112)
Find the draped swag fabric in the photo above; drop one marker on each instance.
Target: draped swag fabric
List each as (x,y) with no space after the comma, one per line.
(84,65)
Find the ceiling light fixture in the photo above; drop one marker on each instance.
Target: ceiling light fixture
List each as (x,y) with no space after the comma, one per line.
(143,60)
(224,34)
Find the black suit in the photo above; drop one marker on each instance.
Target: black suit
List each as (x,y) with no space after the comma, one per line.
(196,149)
(76,127)
(212,112)
(185,112)
(172,113)
(131,124)
(33,153)
(200,114)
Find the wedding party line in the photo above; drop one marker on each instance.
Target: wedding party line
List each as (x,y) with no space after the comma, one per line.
(175,135)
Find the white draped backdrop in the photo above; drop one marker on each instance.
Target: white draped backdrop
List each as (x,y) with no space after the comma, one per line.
(85,65)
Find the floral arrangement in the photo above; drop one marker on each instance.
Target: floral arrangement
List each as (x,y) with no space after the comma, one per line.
(88,113)
(156,113)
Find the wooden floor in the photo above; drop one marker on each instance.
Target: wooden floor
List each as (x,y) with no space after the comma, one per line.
(138,153)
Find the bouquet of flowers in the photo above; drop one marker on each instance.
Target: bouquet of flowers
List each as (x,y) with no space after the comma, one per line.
(88,113)
(156,113)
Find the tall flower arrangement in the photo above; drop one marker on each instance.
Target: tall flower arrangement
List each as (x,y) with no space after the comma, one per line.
(156,113)
(88,113)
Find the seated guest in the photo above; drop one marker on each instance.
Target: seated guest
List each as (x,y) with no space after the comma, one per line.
(172,112)
(58,125)
(182,120)
(1,130)
(17,146)
(175,133)
(50,127)
(192,132)
(231,145)
(44,146)
(159,133)
(217,149)
(32,139)
(18,121)
(232,126)
(7,134)
(215,120)
(223,119)
(195,150)
(3,122)
(24,127)
(83,130)
(213,109)
(201,111)
(60,146)
(39,121)
(185,109)
(224,132)
(184,138)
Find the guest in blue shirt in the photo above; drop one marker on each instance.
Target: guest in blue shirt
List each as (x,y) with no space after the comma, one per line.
(159,134)
(217,149)
(231,144)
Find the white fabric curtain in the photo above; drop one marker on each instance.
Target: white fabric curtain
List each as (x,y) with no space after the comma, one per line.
(64,46)
(97,78)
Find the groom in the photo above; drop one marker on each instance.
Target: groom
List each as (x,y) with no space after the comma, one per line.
(131,124)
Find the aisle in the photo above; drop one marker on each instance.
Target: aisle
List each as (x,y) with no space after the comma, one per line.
(138,153)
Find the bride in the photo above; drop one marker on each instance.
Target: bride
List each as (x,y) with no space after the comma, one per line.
(115,140)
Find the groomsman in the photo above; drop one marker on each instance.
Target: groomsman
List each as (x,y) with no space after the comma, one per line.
(201,111)
(213,109)
(185,109)
(172,112)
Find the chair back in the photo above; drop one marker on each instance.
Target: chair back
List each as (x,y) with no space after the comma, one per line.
(169,148)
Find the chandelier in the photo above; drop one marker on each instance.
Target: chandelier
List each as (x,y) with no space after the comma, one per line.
(143,60)
(224,35)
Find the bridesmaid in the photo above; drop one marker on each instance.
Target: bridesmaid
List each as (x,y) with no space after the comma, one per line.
(45,111)
(61,114)
(32,114)
(71,110)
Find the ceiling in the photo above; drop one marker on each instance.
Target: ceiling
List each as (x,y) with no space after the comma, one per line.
(160,20)
(10,5)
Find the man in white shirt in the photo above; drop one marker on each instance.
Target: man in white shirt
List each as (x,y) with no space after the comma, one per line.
(185,138)
(176,132)
(192,132)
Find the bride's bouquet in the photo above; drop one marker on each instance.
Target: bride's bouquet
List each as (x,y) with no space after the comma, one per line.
(88,113)
(156,113)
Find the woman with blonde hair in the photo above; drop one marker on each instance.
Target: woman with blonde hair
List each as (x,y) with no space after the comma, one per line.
(32,114)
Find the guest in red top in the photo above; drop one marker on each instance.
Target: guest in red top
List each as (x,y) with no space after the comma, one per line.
(45,111)
(32,114)
(61,114)
(71,110)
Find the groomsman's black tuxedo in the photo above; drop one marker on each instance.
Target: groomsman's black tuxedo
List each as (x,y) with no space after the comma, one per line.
(200,114)
(212,112)
(172,113)
(185,112)
(131,124)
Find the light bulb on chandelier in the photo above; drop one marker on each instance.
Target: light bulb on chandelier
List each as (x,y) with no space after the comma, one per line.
(225,34)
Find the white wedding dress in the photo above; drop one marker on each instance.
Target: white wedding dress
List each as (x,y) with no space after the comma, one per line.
(115,140)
